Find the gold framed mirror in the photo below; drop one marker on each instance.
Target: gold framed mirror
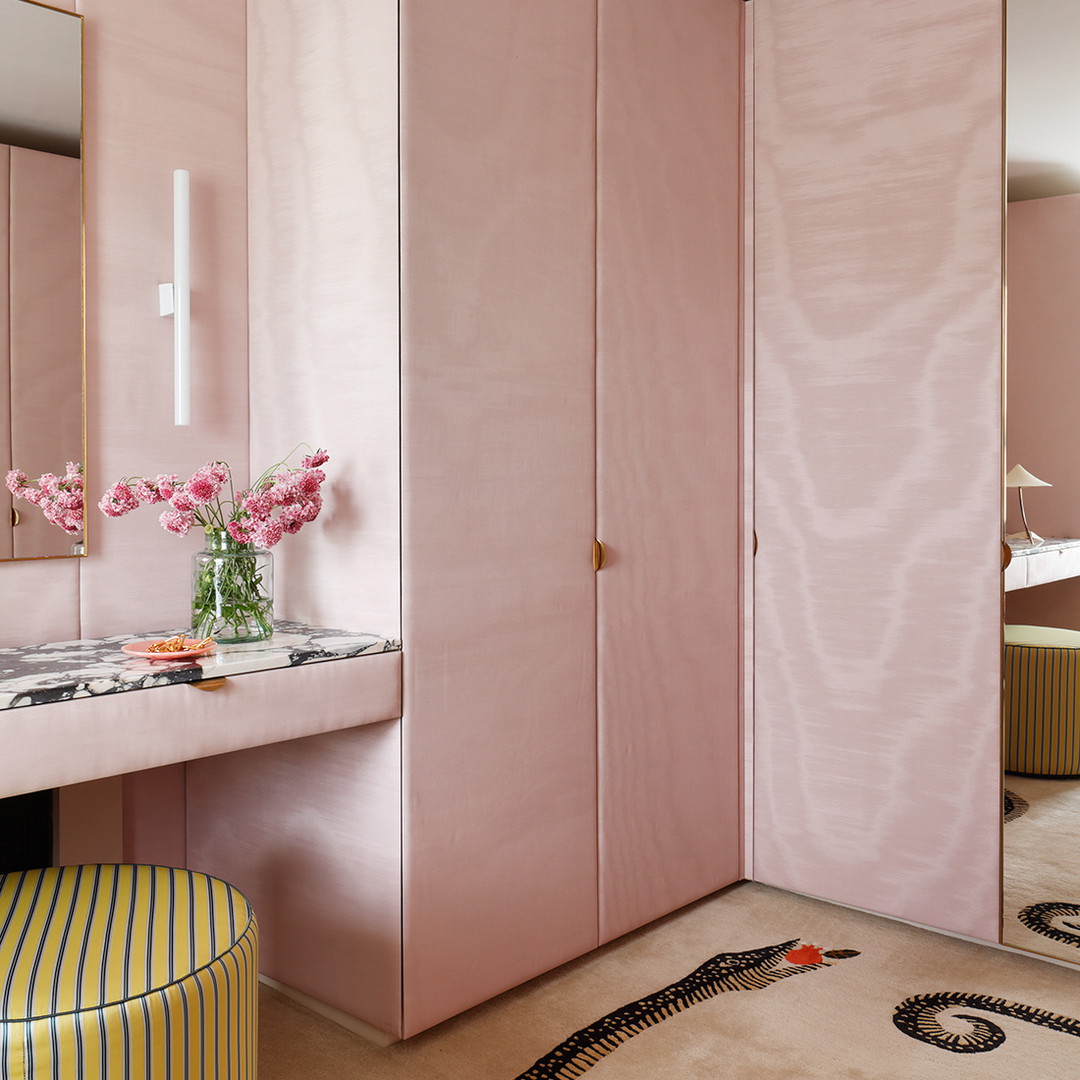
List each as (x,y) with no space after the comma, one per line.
(42,367)
(1041,712)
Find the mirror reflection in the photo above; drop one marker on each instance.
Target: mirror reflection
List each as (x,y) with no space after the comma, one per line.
(41,324)
(1041,711)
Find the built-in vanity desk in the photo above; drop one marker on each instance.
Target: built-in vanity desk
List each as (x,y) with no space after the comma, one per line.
(1052,560)
(110,714)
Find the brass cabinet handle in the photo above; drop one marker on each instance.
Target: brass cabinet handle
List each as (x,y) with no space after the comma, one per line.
(209,684)
(14,516)
(1006,556)
(754,553)
(599,554)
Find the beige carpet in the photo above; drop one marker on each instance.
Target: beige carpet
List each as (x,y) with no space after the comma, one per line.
(1041,851)
(793,1014)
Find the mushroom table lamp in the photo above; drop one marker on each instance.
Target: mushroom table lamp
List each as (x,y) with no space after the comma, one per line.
(1019,478)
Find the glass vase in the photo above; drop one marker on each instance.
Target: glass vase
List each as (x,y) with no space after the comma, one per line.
(232,590)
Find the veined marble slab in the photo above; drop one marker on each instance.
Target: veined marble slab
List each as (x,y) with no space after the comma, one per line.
(66,670)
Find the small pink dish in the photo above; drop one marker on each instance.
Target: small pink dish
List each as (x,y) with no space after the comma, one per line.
(141,648)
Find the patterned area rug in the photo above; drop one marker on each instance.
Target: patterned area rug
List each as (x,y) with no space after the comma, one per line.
(1041,856)
(751,983)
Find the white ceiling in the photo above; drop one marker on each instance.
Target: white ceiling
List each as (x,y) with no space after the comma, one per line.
(40,78)
(1043,98)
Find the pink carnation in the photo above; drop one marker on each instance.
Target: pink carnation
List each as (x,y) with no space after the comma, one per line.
(177,521)
(166,484)
(267,533)
(320,457)
(118,500)
(146,491)
(205,485)
(16,479)
(237,532)
(258,504)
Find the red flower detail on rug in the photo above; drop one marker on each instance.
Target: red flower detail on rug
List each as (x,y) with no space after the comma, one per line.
(805,954)
(723,973)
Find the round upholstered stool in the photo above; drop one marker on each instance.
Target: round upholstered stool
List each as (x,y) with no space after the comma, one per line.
(110,972)
(1041,713)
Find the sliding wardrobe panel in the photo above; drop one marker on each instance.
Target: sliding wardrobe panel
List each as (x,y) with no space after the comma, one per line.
(499,740)
(878,165)
(668,454)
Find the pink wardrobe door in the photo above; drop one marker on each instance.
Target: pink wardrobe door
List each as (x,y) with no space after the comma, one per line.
(668,443)
(497,488)
(878,162)
(46,331)
(5,353)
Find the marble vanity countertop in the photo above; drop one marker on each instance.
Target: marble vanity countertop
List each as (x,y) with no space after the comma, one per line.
(1055,559)
(67,670)
(1021,548)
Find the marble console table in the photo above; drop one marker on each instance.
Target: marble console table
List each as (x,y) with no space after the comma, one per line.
(1053,560)
(109,713)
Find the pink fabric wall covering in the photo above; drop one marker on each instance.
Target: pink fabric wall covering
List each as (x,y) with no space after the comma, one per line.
(310,831)
(1042,431)
(324,293)
(668,455)
(878,201)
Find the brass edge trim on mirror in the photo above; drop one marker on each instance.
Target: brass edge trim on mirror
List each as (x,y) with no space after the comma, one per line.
(1002,463)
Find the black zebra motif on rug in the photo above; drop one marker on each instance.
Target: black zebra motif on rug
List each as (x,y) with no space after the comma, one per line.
(1015,805)
(1057,920)
(724,973)
(919,1017)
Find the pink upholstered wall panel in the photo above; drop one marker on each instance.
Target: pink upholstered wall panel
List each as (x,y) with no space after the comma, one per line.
(5,368)
(165,89)
(155,824)
(309,831)
(46,331)
(878,295)
(324,292)
(497,383)
(1043,435)
(668,437)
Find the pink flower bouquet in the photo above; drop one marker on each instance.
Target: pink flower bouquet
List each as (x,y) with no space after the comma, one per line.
(60,498)
(281,501)
(232,584)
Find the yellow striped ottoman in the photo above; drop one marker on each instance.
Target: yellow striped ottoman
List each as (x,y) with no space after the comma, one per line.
(1041,713)
(133,972)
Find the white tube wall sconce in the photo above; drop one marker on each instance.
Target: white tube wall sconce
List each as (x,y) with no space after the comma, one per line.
(175,299)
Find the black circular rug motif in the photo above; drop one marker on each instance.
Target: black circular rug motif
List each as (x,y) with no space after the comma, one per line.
(1058,920)
(920,1018)
(1015,805)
